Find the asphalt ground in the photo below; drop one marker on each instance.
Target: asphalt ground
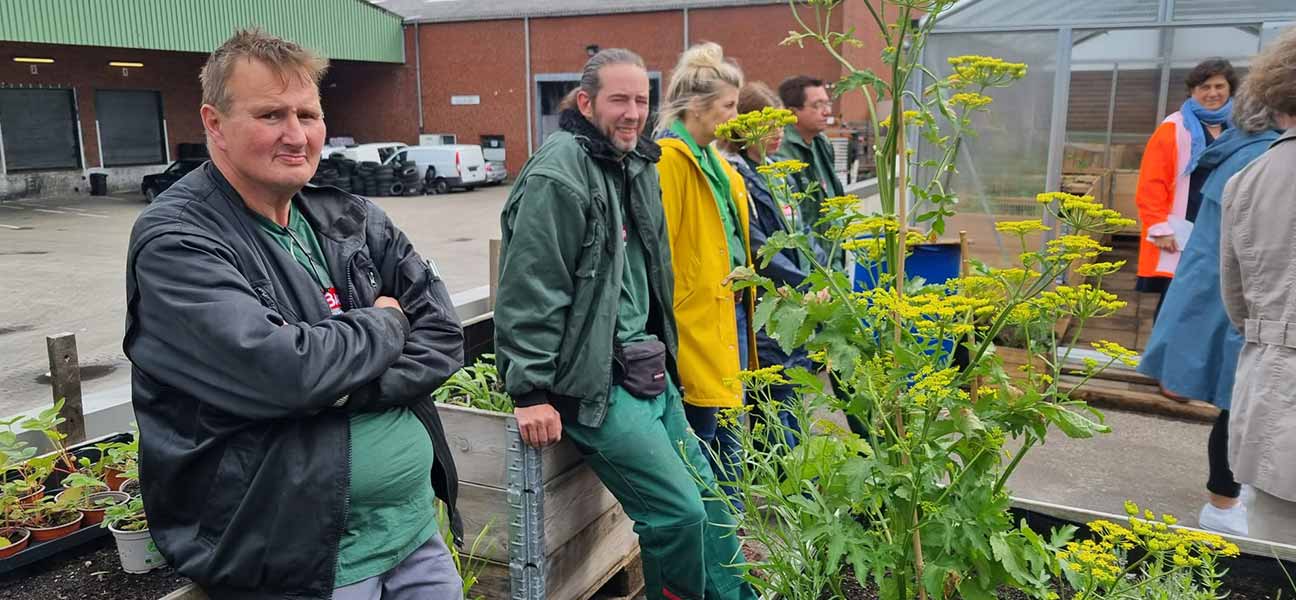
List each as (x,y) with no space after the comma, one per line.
(62,265)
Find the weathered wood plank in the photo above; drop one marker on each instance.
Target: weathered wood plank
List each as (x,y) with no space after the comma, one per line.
(571,503)
(576,570)
(65,384)
(479,442)
(1100,397)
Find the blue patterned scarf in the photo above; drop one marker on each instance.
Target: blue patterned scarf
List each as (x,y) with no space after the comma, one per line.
(1194,114)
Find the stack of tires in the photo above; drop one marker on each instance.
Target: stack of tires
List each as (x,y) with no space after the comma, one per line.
(368,178)
(335,171)
(407,177)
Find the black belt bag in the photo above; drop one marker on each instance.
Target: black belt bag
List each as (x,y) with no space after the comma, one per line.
(641,368)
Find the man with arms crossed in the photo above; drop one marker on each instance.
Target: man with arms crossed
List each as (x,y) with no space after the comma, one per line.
(285,340)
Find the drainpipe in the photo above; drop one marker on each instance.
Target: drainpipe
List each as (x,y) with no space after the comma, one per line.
(686,29)
(418,74)
(526,37)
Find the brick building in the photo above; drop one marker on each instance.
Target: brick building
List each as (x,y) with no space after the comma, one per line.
(112,85)
(491,69)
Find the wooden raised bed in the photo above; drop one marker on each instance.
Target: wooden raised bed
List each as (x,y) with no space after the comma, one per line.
(551,529)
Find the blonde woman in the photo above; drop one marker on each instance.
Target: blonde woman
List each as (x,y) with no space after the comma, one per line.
(707,220)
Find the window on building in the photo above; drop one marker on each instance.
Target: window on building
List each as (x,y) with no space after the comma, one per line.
(130,127)
(39,129)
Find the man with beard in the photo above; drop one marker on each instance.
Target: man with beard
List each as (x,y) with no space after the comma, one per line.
(585,334)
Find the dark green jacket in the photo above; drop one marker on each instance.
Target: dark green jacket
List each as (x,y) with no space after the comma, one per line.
(818,180)
(560,269)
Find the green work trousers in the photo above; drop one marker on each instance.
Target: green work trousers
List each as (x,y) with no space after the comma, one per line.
(687,537)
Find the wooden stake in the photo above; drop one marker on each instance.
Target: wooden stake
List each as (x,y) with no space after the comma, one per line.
(65,384)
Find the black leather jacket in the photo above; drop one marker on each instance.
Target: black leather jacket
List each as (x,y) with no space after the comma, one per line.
(243,383)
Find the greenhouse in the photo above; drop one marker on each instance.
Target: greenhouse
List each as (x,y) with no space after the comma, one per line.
(1102,75)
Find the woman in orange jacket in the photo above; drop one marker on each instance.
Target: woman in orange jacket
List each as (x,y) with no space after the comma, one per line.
(705,202)
(1169,187)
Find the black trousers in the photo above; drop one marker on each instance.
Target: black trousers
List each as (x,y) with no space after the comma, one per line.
(1220,481)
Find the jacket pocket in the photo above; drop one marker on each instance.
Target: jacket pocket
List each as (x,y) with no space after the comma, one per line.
(265,295)
(365,282)
(229,486)
(592,244)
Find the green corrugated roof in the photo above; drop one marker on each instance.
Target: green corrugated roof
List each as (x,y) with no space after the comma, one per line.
(339,29)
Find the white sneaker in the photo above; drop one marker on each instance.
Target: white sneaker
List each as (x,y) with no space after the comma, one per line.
(1231,521)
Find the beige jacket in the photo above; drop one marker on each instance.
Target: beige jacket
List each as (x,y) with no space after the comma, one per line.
(1258,282)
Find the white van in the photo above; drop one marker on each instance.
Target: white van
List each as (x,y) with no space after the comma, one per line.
(379,152)
(446,167)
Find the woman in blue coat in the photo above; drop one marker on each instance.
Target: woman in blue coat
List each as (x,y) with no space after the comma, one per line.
(1194,349)
(770,215)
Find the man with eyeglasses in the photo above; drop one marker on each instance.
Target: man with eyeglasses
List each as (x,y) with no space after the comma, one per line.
(807,97)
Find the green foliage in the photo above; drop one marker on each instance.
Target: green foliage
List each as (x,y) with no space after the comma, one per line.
(467,564)
(128,516)
(913,499)
(49,512)
(476,386)
(1150,559)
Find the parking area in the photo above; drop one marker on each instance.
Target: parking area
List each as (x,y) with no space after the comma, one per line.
(63,261)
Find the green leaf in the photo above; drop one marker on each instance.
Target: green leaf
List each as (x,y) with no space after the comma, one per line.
(1008,556)
(806,382)
(856,80)
(788,321)
(1072,424)
(967,422)
(768,304)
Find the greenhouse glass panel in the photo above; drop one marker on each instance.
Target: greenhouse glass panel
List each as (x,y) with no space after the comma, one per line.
(1193,44)
(1185,10)
(1000,171)
(1106,127)
(1005,14)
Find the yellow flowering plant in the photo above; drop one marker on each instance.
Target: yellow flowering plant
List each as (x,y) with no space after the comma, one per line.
(1148,557)
(911,494)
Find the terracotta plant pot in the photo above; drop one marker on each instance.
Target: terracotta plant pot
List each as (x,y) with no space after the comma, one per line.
(45,534)
(95,516)
(113,477)
(76,493)
(15,546)
(33,497)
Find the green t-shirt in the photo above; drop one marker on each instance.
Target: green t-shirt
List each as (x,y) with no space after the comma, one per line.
(720,189)
(392,504)
(632,309)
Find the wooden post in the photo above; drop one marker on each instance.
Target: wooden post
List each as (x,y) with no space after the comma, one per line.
(65,384)
(494,273)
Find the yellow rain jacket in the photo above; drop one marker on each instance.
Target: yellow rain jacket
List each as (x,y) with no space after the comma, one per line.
(704,303)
